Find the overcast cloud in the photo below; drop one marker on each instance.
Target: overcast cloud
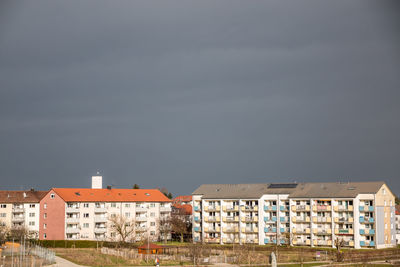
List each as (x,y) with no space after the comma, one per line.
(180,93)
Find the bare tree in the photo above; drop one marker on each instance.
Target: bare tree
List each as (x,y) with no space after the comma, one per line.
(339,243)
(4,232)
(197,251)
(164,227)
(18,232)
(180,223)
(123,227)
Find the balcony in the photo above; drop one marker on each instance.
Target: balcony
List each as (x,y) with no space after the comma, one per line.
(284,208)
(140,209)
(18,209)
(366,219)
(231,219)
(348,243)
(249,229)
(366,208)
(323,231)
(18,218)
(323,242)
(367,231)
(100,219)
(343,208)
(270,208)
(367,244)
(343,231)
(270,219)
(322,208)
(344,220)
(100,209)
(231,229)
(100,230)
(250,208)
(302,230)
(196,219)
(71,230)
(165,209)
(230,240)
(211,219)
(72,220)
(212,208)
(73,209)
(212,229)
(197,208)
(230,208)
(301,219)
(317,219)
(270,229)
(196,229)
(250,219)
(284,230)
(251,241)
(300,242)
(141,229)
(141,219)
(301,207)
(284,219)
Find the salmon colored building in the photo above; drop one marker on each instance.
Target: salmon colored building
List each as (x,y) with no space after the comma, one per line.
(84,213)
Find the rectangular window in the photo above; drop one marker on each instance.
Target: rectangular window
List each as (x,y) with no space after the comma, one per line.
(127,205)
(45,215)
(45,205)
(152,224)
(86,215)
(32,205)
(86,205)
(152,214)
(3,215)
(3,206)
(113,205)
(31,214)
(152,232)
(152,205)
(86,225)
(44,226)
(44,236)
(31,223)
(127,214)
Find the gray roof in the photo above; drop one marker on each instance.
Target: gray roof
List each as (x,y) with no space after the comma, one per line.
(233,191)
(338,189)
(303,190)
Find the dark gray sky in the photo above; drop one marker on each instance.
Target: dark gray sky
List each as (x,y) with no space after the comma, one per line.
(180,93)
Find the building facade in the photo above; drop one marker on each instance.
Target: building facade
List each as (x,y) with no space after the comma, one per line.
(358,215)
(20,209)
(90,214)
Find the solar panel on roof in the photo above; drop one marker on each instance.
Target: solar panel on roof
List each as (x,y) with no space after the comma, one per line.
(282,186)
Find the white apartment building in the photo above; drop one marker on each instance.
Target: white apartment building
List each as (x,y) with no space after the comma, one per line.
(20,209)
(360,215)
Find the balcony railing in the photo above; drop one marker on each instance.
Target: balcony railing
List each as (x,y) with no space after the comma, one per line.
(270,229)
(367,231)
(73,209)
(141,219)
(323,231)
(140,229)
(302,230)
(100,219)
(100,230)
(366,208)
(284,219)
(269,241)
(300,219)
(212,240)
(284,208)
(72,220)
(197,208)
(317,219)
(322,208)
(270,219)
(230,218)
(230,208)
(212,208)
(250,219)
(343,208)
(231,229)
(249,208)
(302,208)
(70,230)
(18,210)
(251,241)
(165,209)
(18,218)
(366,219)
(367,243)
(270,208)
(140,209)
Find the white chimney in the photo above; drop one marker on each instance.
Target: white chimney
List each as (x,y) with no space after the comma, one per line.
(97,181)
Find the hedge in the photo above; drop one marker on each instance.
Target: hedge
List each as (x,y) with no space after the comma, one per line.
(81,244)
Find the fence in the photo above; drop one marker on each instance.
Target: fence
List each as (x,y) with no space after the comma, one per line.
(24,255)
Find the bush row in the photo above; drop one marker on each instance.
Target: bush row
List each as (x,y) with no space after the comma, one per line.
(82,244)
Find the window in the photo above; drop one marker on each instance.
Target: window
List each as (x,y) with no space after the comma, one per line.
(127,214)
(113,205)
(152,232)
(385,203)
(45,205)
(86,205)
(32,205)
(52,196)
(152,205)
(113,234)
(44,226)
(3,215)
(152,214)
(3,206)
(31,214)
(385,225)
(152,224)
(127,205)
(385,214)
(45,215)
(391,203)
(86,215)
(86,225)
(44,236)
(31,223)
(384,191)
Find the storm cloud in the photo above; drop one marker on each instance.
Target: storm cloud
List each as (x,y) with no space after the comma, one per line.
(181,93)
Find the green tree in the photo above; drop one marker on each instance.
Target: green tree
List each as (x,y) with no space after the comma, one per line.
(169,195)
(136,186)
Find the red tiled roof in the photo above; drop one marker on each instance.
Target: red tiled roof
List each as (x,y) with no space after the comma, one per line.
(110,195)
(186,208)
(397,207)
(29,196)
(182,199)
